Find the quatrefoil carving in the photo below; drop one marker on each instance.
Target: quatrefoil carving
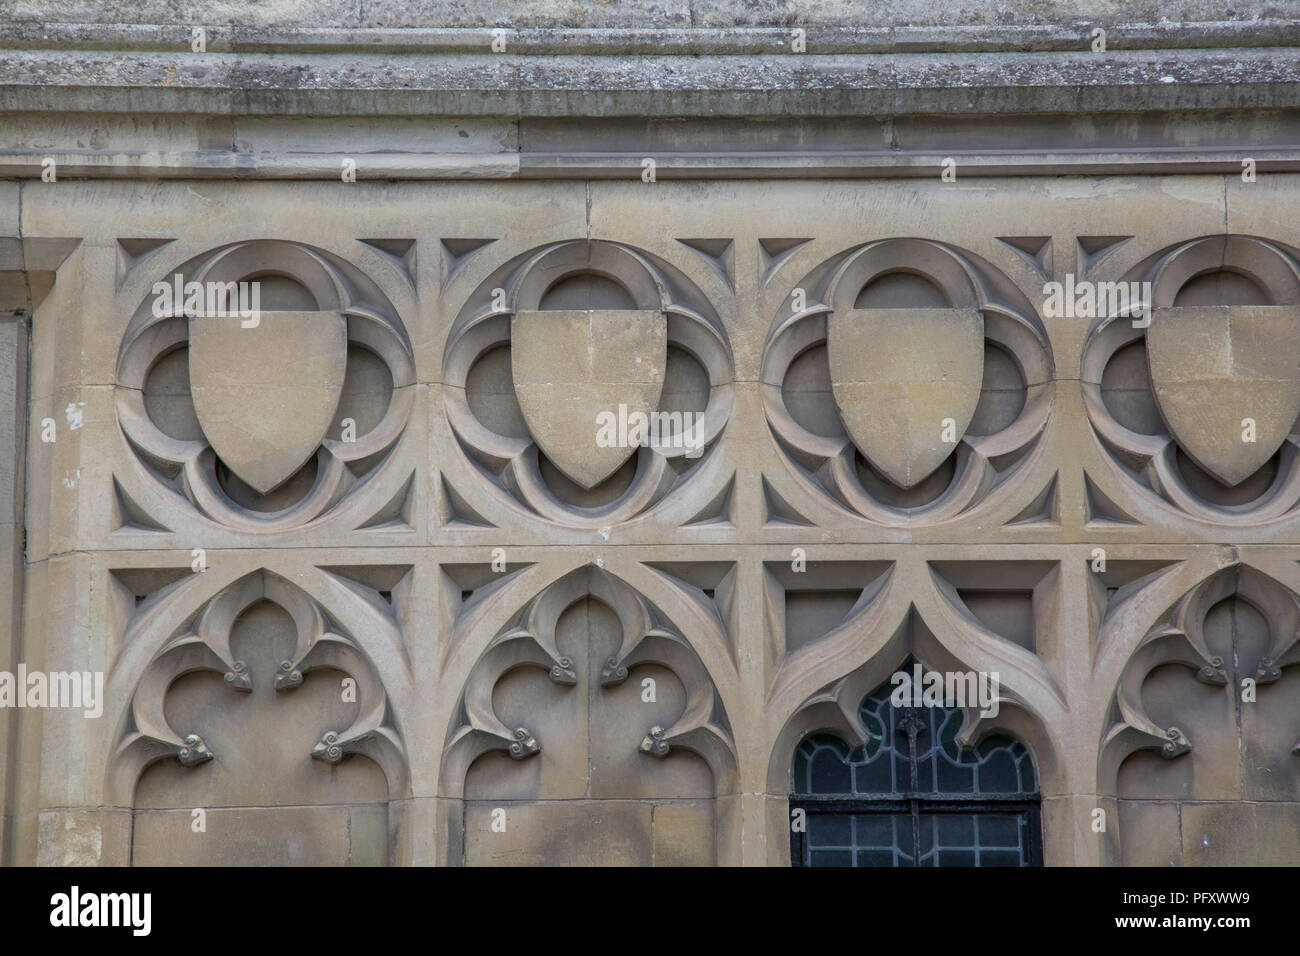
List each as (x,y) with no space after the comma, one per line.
(594,328)
(906,369)
(264,391)
(1222,361)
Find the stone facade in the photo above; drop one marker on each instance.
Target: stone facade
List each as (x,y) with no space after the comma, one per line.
(366,582)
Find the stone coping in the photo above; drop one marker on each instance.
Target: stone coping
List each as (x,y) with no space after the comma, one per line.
(822,37)
(657,14)
(486,84)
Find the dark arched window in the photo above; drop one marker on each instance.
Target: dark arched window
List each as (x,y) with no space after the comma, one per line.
(912,796)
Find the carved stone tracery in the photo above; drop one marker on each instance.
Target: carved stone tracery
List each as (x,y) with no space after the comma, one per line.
(146,735)
(264,389)
(929,399)
(1225,376)
(574,360)
(646,638)
(1180,639)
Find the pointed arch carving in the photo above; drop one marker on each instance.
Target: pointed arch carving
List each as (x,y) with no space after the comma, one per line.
(145,736)
(1026,701)
(647,637)
(1178,637)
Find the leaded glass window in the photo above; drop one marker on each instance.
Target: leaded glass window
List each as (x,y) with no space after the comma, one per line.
(913,797)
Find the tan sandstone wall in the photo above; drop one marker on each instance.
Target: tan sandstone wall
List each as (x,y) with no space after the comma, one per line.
(366,588)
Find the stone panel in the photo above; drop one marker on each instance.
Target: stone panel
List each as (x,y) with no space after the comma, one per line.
(628,404)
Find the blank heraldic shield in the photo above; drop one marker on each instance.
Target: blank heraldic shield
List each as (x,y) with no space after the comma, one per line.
(1227,376)
(906,380)
(572,364)
(267,387)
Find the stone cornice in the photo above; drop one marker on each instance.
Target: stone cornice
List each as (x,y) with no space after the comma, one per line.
(141,146)
(820,36)
(592,95)
(785,85)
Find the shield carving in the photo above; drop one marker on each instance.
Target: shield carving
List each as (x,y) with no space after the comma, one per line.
(570,366)
(897,374)
(265,395)
(1213,367)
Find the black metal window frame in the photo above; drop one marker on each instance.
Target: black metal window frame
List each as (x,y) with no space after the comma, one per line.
(916,804)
